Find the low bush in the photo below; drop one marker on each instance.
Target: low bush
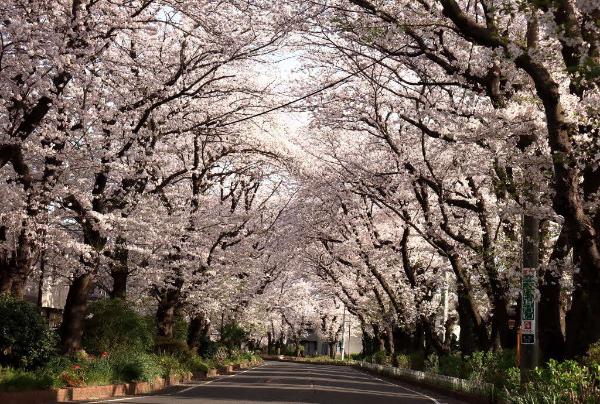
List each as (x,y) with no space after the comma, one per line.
(171,366)
(382,358)
(403,361)
(100,372)
(141,367)
(172,346)
(490,367)
(357,356)
(112,325)
(451,365)
(593,355)
(417,360)
(221,355)
(557,382)
(432,363)
(197,364)
(232,336)
(18,380)
(25,339)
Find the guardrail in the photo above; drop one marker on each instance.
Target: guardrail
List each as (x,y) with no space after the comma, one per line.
(468,389)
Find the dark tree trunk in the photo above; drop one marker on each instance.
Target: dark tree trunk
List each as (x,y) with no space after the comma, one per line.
(403,341)
(15,265)
(390,347)
(332,350)
(552,339)
(165,315)
(583,327)
(433,342)
(378,339)
(502,336)
(71,329)
(473,335)
(119,271)
(198,334)
(119,289)
(269,343)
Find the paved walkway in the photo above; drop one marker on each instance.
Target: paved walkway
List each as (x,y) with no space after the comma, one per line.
(286,382)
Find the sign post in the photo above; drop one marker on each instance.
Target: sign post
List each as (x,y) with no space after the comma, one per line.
(529,341)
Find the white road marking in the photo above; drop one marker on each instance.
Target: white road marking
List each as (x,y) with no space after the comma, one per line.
(114,399)
(406,388)
(194,386)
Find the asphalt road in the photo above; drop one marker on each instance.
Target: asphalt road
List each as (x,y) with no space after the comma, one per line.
(285,382)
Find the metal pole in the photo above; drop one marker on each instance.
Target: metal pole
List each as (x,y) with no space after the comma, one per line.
(530,352)
(349,328)
(343,330)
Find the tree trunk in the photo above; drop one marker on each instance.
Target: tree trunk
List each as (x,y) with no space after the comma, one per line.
(552,340)
(502,336)
(165,313)
(119,289)
(583,327)
(269,343)
(198,334)
(473,333)
(119,271)
(390,346)
(71,329)
(332,350)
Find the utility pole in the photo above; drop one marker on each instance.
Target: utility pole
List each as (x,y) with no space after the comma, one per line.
(349,328)
(530,345)
(343,330)
(445,300)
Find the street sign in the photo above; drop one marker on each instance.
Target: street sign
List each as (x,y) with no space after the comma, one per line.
(528,312)
(528,339)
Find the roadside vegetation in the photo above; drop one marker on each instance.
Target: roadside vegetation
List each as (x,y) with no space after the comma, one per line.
(119,347)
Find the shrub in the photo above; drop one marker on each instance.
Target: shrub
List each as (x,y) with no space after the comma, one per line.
(25,340)
(56,367)
(113,326)
(172,346)
(593,354)
(451,365)
(171,366)
(432,363)
(220,355)
(233,336)
(403,361)
(357,356)
(490,367)
(142,367)
(18,380)
(557,382)
(180,329)
(382,358)
(196,364)
(417,360)
(99,372)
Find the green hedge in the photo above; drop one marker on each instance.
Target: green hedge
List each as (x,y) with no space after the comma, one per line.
(25,339)
(112,325)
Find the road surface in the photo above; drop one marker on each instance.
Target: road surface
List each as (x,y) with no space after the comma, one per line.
(286,382)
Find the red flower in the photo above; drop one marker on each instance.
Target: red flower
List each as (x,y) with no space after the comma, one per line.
(76,367)
(104,355)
